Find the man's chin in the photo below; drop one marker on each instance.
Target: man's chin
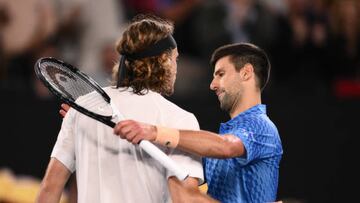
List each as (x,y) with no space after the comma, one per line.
(224,107)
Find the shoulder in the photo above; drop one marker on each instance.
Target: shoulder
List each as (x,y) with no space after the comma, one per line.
(111,90)
(258,122)
(262,129)
(69,118)
(176,116)
(168,105)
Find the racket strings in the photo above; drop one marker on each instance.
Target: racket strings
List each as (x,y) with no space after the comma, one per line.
(75,88)
(72,85)
(94,102)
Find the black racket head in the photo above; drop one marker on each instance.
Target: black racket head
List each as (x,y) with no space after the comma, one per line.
(75,88)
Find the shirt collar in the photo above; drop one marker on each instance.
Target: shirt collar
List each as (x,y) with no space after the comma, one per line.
(257,109)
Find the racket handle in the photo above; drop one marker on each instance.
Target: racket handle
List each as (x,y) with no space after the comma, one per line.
(166,161)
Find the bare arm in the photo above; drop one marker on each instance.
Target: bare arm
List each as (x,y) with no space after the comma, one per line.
(202,143)
(205,143)
(72,197)
(187,191)
(53,183)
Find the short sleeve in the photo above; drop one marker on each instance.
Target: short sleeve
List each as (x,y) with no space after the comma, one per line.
(64,149)
(257,146)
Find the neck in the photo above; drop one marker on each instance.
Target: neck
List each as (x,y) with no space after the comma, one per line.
(247,100)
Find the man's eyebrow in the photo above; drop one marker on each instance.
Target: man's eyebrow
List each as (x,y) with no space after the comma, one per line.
(218,71)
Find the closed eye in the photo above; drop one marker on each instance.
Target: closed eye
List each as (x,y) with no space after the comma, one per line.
(219,72)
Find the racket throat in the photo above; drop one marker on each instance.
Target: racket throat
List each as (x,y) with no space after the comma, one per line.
(117,116)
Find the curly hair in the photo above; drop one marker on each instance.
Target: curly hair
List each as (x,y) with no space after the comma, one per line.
(151,73)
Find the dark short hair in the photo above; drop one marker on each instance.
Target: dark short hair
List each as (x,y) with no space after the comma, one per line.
(243,53)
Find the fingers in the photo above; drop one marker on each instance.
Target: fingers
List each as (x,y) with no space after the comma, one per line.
(62,113)
(123,128)
(136,140)
(134,131)
(132,136)
(129,130)
(64,109)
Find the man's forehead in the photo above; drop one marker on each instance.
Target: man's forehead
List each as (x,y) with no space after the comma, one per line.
(222,63)
(218,69)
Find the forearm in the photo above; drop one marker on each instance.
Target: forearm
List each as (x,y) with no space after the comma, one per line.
(47,195)
(202,143)
(53,183)
(208,144)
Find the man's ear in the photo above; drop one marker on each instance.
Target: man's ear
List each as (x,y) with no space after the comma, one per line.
(247,72)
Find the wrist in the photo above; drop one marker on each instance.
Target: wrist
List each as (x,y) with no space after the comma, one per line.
(153,133)
(168,137)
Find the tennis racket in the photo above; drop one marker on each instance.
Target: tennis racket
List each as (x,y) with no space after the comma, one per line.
(83,94)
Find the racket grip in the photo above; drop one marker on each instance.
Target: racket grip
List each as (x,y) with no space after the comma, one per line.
(166,161)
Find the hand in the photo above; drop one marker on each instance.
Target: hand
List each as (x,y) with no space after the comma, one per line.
(64,109)
(134,131)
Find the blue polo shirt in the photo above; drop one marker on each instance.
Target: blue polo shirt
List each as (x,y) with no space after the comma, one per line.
(254,176)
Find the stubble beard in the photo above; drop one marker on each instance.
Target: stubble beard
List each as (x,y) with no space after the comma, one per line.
(226,102)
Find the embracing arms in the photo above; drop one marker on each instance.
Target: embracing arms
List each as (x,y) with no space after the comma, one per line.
(202,143)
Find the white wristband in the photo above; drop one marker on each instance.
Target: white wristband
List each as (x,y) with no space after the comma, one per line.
(168,137)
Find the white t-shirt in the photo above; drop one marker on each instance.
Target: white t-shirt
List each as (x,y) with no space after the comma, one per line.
(110,169)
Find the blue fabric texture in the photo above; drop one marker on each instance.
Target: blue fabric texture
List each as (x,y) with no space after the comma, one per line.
(254,176)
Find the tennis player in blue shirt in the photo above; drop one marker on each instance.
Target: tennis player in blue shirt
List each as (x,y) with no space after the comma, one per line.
(242,161)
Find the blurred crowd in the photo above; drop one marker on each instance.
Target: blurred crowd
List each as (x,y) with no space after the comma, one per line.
(313,41)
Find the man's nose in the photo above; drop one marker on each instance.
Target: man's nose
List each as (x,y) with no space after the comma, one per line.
(213,85)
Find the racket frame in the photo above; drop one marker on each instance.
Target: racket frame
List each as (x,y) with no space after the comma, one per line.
(104,119)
